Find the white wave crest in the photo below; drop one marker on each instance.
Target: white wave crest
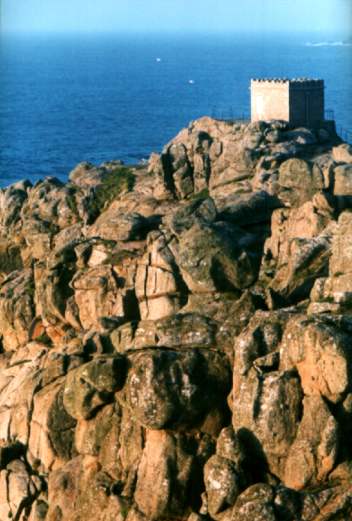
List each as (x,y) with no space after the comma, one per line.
(328,44)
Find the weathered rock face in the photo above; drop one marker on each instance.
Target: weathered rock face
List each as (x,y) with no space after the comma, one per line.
(170,389)
(320,351)
(334,292)
(313,454)
(176,338)
(16,308)
(97,295)
(298,251)
(213,258)
(160,289)
(298,181)
(92,385)
(266,401)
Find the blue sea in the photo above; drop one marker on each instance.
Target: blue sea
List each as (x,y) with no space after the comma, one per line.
(71,98)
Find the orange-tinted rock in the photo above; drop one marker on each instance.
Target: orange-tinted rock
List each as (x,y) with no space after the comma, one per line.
(313,454)
(127,297)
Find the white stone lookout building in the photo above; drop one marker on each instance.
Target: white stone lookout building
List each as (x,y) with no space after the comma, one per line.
(298,101)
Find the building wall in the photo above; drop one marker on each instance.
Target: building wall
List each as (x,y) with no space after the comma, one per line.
(269,100)
(307,103)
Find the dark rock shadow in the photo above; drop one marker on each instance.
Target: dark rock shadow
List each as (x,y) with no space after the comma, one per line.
(255,463)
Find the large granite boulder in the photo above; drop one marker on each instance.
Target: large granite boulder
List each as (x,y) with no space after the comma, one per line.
(342,153)
(298,182)
(216,257)
(174,389)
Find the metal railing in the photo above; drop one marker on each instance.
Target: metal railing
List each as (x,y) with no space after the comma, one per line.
(329,115)
(345,134)
(228,114)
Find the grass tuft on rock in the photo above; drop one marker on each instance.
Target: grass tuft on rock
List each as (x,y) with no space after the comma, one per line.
(198,196)
(114,183)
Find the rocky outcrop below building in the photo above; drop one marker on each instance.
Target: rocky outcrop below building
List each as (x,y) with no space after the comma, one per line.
(177,337)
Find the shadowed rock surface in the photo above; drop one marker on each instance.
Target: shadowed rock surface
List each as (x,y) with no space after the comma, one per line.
(176,338)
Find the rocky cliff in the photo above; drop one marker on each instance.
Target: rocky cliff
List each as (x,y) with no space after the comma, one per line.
(177,337)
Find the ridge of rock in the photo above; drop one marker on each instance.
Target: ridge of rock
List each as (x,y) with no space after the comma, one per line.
(176,337)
